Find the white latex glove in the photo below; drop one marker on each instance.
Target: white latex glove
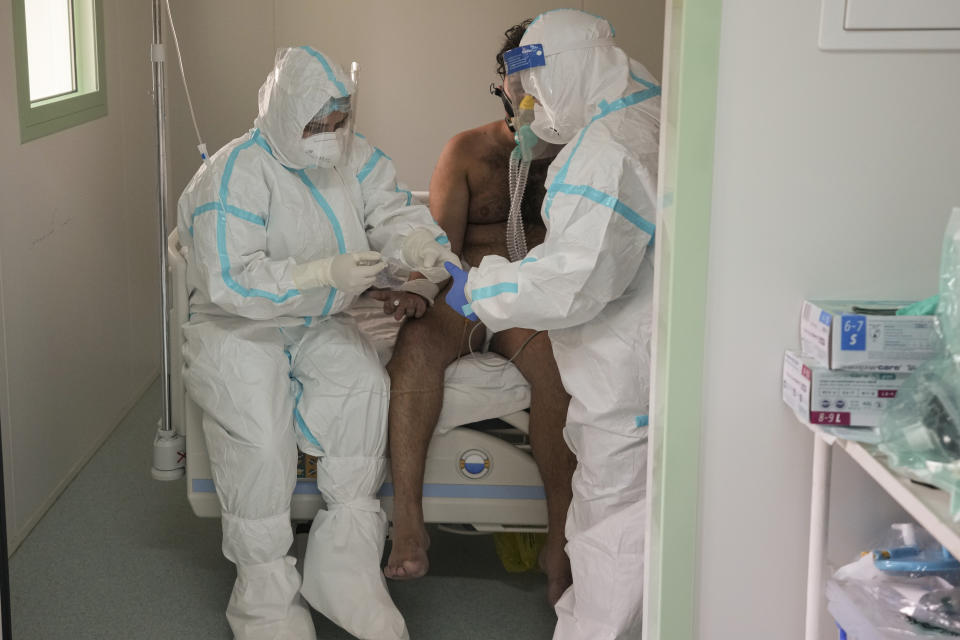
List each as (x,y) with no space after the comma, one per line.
(349,272)
(424,254)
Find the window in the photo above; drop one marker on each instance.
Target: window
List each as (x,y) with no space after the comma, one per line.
(61,79)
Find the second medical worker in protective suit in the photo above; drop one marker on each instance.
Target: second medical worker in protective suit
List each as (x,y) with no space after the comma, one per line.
(591,284)
(283,228)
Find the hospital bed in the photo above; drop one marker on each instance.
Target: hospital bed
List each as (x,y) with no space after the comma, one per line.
(480,472)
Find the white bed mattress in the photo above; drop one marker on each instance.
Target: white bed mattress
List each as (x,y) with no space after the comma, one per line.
(477,387)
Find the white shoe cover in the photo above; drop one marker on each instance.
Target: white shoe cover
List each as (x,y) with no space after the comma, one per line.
(341,571)
(266,605)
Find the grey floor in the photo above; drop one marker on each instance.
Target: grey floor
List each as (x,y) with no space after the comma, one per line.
(121,555)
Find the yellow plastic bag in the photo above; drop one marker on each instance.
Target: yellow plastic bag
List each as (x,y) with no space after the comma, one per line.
(520,551)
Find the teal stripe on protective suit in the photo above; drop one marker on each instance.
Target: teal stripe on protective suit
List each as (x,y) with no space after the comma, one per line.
(246,215)
(326,67)
(642,421)
(600,197)
(307,321)
(526,260)
(326,209)
(338,232)
(222,236)
(370,164)
(606,108)
(210,206)
(261,141)
(442,239)
(235,211)
(647,84)
(297,416)
(493,290)
(409,193)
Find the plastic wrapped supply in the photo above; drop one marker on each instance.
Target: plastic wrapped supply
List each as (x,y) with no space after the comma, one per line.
(920,431)
(948,309)
(937,609)
(869,598)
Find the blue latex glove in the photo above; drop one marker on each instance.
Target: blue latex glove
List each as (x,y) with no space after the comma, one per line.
(457,296)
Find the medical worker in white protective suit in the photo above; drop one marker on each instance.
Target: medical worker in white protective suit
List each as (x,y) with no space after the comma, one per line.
(283,228)
(590,284)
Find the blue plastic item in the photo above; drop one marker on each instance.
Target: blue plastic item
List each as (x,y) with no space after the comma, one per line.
(916,561)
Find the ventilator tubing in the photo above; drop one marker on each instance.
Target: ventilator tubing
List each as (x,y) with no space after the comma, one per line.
(516,238)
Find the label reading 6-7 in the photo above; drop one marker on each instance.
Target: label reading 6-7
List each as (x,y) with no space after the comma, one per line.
(853,333)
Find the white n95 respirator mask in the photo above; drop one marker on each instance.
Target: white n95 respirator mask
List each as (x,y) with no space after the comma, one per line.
(324,149)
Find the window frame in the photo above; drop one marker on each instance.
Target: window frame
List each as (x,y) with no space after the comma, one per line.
(57,113)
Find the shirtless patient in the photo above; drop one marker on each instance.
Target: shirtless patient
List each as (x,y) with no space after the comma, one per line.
(469,198)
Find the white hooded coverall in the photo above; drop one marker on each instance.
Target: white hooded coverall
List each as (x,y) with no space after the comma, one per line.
(590,284)
(274,367)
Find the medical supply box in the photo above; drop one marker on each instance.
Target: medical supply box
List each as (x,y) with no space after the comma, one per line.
(838,398)
(866,336)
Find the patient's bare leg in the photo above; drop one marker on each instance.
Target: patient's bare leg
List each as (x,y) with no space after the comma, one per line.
(548,414)
(424,349)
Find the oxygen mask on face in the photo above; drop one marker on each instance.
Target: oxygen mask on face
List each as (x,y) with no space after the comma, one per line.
(531,147)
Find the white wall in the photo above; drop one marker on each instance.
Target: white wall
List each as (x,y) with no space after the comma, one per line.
(834,177)
(78,285)
(426,65)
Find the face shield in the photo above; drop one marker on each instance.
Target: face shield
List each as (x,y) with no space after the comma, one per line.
(328,135)
(529,95)
(532,124)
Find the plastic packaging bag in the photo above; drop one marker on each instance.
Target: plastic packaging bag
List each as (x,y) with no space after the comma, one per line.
(938,609)
(519,551)
(920,431)
(868,597)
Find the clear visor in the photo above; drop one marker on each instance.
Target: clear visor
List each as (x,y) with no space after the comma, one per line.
(334,115)
(524,86)
(338,115)
(525,91)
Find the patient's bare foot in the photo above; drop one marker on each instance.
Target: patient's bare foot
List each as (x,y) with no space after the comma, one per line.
(408,556)
(555,563)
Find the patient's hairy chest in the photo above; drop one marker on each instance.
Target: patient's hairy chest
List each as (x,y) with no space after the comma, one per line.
(489,205)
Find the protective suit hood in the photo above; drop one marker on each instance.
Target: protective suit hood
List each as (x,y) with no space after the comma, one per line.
(302,81)
(583,67)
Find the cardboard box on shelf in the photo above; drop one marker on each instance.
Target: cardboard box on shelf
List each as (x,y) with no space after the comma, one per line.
(865,336)
(837,398)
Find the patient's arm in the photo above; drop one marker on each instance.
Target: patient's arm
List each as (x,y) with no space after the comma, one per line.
(449,192)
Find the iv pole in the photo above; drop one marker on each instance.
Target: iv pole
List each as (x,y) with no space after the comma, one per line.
(168,446)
